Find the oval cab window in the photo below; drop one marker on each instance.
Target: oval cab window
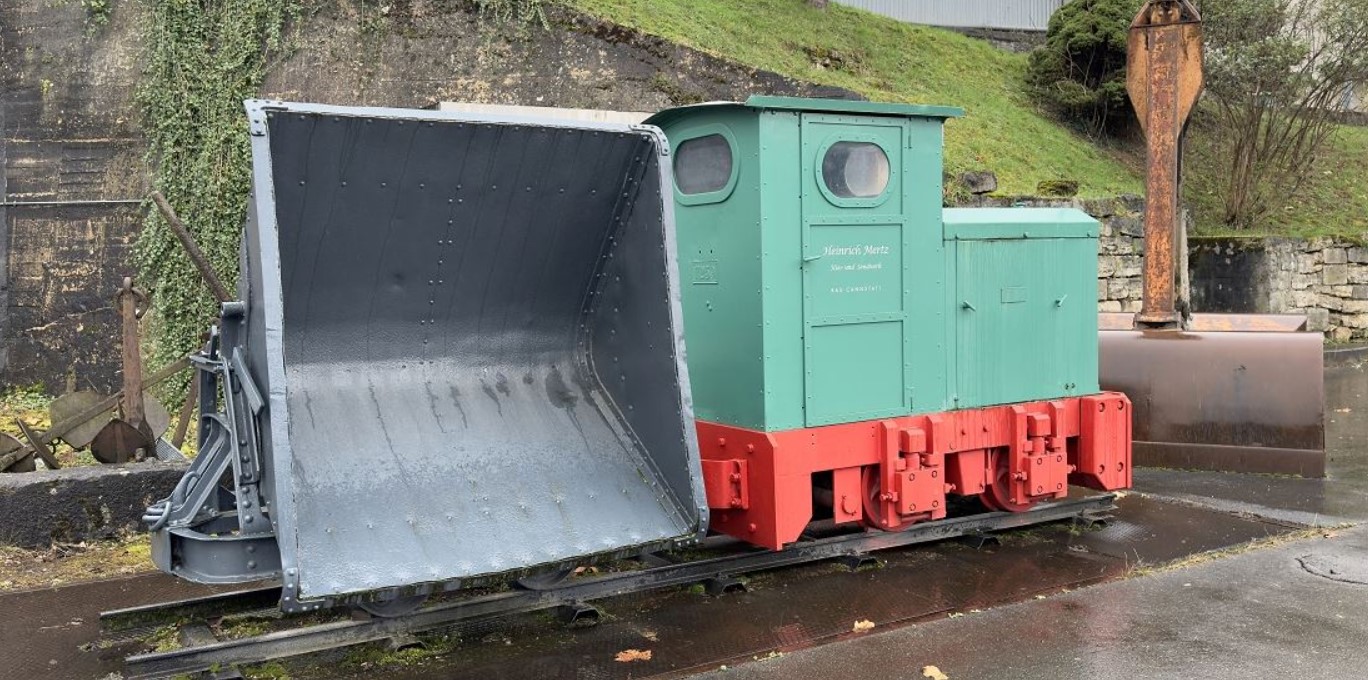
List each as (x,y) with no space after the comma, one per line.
(703,165)
(855,170)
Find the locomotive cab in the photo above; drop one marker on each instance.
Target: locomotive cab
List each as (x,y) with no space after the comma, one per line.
(840,321)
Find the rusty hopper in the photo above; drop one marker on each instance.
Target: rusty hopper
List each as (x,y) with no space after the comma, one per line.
(457,353)
(1216,391)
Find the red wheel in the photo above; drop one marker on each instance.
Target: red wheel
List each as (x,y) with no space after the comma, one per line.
(874,506)
(989,501)
(997,493)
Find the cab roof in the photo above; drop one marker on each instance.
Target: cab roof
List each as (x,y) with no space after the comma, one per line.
(763,102)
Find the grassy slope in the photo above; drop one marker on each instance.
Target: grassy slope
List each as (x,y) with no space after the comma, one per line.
(893,61)
(1334,202)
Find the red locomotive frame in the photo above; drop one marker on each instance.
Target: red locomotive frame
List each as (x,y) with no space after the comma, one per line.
(891,473)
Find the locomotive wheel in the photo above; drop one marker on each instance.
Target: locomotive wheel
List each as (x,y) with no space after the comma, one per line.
(873,506)
(398,606)
(997,495)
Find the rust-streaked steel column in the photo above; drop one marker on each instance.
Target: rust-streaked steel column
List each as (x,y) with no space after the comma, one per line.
(1164,79)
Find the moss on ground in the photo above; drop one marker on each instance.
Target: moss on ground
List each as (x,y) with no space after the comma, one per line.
(273,670)
(380,656)
(69,563)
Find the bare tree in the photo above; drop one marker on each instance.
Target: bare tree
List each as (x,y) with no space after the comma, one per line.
(1278,72)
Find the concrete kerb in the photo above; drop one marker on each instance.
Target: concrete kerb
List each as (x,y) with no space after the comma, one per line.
(38,509)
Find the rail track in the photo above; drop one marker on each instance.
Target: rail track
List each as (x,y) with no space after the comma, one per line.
(202,651)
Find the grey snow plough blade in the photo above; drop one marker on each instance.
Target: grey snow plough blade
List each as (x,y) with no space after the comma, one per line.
(467,342)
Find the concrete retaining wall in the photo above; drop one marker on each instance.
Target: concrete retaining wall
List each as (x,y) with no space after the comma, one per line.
(70,178)
(72,505)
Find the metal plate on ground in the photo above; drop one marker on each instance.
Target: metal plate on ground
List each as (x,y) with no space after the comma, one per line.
(1258,323)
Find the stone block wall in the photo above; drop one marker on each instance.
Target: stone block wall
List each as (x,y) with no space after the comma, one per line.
(1325,279)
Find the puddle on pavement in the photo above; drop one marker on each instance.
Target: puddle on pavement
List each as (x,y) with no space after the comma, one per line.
(1150,531)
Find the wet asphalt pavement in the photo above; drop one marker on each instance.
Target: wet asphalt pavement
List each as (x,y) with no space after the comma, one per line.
(1049,602)
(1297,610)
(55,632)
(1255,615)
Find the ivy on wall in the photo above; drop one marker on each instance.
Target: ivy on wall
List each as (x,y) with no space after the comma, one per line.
(204,57)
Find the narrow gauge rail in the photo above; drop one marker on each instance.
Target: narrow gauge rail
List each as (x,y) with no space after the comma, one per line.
(572,594)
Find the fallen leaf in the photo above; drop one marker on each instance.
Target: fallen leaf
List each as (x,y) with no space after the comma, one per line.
(862,625)
(629,655)
(650,635)
(934,673)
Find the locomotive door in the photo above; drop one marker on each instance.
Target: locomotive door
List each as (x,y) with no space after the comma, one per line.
(856,283)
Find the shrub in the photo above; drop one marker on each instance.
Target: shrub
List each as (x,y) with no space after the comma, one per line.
(1080,72)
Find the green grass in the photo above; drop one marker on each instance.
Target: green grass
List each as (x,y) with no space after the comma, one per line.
(1333,202)
(886,60)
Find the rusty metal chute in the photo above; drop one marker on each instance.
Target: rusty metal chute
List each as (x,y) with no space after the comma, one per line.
(1164,79)
(1214,391)
(460,352)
